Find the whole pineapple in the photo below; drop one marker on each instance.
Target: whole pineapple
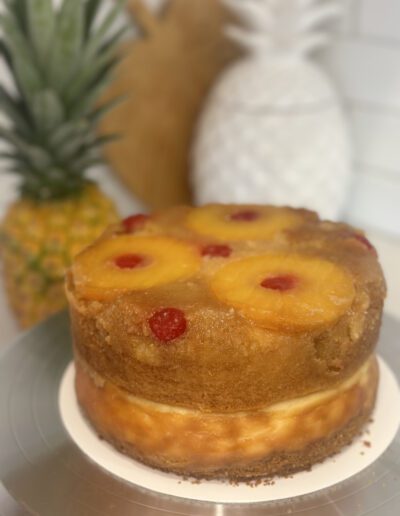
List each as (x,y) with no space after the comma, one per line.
(273,130)
(60,59)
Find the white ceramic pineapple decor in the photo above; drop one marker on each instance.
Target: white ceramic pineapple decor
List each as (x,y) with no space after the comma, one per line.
(273,130)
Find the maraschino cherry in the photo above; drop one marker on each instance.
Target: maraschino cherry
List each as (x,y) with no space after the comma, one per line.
(168,324)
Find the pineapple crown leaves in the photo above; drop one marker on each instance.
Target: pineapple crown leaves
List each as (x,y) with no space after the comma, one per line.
(283,27)
(60,60)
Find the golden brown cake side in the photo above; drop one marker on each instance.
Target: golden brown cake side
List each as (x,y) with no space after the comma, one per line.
(280,439)
(226,361)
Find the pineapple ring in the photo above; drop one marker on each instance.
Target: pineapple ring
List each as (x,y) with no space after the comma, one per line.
(166,260)
(322,292)
(220,221)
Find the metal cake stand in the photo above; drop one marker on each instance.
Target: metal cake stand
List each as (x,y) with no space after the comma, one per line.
(47,474)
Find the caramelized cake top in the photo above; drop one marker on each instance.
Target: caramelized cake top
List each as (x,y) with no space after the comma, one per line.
(226,307)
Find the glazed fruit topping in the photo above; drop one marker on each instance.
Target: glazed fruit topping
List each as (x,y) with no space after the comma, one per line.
(168,324)
(245,216)
(134,222)
(216,250)
(281,283)
(286,292)
(129,261)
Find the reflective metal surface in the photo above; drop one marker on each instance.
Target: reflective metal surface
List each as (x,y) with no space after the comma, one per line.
(48,475)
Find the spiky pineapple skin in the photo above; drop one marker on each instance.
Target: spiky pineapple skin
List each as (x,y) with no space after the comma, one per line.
(38,242)
(60,56)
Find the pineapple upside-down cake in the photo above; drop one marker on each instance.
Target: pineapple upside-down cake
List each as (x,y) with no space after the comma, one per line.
(227,341)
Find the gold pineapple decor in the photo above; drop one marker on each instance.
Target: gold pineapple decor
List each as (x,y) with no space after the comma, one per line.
(60,60)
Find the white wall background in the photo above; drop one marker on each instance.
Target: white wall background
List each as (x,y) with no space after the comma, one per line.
(364,61)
